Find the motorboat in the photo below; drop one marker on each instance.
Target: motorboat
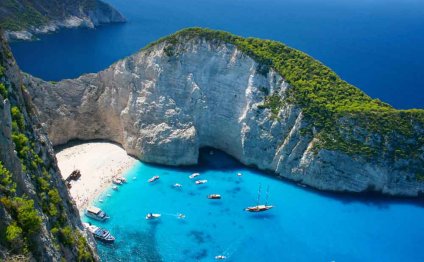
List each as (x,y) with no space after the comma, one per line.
(115,188)
(122,179)
(152,216)
(99,233)
(220,257)
(199,182)
(177,185)
(193,175)
(116,181)
(153,179)
(96,213)
(214,196)
(239,174)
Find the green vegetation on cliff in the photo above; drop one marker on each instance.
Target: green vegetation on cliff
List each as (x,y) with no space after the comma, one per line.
(17,15)
(337,110)
(28,212)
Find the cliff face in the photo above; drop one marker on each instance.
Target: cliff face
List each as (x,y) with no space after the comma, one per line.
(38,220)
(176,96)
(22,19)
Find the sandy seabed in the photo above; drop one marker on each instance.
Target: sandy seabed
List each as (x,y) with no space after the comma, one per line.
(98,162)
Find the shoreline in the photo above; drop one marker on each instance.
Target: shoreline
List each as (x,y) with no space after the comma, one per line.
(98,162)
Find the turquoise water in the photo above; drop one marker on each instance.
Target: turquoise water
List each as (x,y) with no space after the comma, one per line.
(303,226)
(376,45)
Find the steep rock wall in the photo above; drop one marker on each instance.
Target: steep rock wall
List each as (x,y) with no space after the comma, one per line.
(23,19)
(27,155)
(165,102)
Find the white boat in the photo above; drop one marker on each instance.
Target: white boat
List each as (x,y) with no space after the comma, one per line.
(220,257)
(199,182)
(239,174)
(193,175)
(258,207)
(152,216)
(153,179)
(116,181)
(122,179)
(181,216)
(99,233)
(115,188)
(96,213)
(214,196)
(177,185)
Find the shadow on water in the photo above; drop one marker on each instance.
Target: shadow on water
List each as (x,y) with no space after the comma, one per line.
(221,161)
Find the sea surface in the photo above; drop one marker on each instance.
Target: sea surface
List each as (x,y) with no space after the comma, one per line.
(376,45)
(303,226)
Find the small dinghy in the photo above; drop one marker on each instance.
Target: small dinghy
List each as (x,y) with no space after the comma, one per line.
(99,233)
(214,196)
(220,257)
(152,216)
(153,179)
(177,185)
(193,175)
(115,188)
(181,216)
(199,182)
(239,174)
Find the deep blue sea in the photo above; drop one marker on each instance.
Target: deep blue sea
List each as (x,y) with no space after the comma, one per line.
(303,226)
(376,45)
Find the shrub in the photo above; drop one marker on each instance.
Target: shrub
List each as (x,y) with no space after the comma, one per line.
(3,90)
(7,186)
(14,235)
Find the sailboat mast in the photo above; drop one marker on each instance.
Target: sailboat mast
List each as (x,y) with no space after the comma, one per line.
(259,194)
(267,194)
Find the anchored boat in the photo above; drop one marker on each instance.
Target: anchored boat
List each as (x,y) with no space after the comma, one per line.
(96,213)
(258,207)
(214,196)
(199,182)
(193,175)
(116,181)
(153,179)
(152,216)
(99,233)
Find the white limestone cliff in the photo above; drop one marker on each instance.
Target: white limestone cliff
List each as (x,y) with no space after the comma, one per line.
(167,101)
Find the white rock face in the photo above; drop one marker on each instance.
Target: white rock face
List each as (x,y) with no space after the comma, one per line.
(164,103)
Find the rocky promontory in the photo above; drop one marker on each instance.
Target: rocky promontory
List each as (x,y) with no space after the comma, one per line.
(22,20)
(38,219)
(266,104)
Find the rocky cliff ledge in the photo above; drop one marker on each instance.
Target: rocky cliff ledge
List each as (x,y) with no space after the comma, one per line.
(22,19)
(38,220)
(262,102)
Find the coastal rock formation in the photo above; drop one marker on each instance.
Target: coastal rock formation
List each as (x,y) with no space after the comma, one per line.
(22,19)
(38,220)
(192,90)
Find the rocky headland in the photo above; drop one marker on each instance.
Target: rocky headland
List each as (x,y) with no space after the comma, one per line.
(266,104)
(38,219)
(23,20)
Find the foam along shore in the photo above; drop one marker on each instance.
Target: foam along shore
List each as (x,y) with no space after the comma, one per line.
(98,162)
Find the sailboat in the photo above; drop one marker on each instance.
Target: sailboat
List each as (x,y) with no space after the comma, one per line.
(258,207)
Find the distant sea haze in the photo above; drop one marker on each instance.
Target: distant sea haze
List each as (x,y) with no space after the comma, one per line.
(375,45)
